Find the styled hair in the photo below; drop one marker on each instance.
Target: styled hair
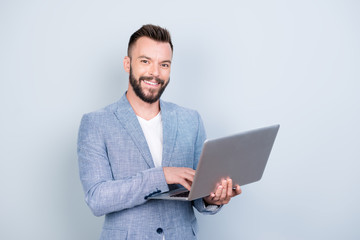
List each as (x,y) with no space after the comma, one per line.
(153,32)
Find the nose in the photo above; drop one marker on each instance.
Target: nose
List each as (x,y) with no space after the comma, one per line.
(154,70)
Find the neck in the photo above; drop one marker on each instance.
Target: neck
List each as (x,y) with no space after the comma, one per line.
(142,109)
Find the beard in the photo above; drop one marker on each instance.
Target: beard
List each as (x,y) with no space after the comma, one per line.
(154,94)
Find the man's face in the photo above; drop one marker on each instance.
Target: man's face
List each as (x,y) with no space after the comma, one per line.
(149,68)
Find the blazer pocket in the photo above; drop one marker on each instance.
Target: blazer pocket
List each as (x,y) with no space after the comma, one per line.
(113,234)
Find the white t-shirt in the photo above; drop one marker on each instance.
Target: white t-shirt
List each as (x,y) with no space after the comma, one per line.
(153,132)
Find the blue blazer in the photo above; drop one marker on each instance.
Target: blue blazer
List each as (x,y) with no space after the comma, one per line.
(117,171)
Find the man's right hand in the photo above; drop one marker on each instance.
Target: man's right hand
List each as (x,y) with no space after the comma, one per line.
(179,175)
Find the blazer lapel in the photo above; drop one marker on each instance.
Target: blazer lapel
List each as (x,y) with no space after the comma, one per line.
(129,121)
(169,122)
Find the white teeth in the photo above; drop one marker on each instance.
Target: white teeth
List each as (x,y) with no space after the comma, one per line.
(151,83)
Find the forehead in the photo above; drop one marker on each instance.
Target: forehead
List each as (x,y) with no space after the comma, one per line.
(145,46)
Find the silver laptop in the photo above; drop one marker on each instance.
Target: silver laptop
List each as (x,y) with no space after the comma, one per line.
(242,157)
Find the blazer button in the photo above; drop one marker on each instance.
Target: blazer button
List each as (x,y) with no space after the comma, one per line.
(159,230)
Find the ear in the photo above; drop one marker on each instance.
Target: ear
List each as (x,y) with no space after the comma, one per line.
(127,64)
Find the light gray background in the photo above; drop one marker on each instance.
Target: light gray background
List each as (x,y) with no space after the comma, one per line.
(241,64)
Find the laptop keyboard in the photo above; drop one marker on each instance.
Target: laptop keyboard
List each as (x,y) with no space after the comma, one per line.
(183,194)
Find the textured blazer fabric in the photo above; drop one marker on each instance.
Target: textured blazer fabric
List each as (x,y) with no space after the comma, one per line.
(117,171)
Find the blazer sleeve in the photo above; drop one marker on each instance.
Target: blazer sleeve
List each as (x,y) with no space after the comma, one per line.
(199,204)
(103,194)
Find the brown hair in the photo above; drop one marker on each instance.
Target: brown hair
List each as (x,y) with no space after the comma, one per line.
(153,32)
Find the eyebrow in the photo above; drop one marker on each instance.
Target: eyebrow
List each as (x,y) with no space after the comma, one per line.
(146,57)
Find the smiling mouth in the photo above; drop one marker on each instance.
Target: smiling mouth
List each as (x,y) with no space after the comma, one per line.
(151,83)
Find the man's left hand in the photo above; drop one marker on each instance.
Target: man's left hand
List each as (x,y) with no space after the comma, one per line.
(223,193)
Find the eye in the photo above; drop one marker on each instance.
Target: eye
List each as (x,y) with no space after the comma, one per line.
(165,65)
(144,61)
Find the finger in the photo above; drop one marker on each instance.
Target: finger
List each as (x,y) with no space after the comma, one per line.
(190,183)
(189,171)
(229,188)
(218,193)
(185,184)
(229,191)
(238,190)
(224,190)
(188,176)
(211,197)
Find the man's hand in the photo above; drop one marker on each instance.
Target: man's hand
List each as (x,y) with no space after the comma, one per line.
(223,193)
(179,175)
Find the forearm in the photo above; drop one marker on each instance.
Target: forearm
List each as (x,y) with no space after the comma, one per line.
(115,195)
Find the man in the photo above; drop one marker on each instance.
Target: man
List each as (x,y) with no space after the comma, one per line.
(141,145)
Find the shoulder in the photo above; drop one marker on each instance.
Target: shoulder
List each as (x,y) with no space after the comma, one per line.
(186,118)
(101,116)
(180,111)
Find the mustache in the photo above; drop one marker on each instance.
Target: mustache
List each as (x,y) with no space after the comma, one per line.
(160,81)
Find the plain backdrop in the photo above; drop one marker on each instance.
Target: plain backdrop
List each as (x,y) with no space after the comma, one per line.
(241,64)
